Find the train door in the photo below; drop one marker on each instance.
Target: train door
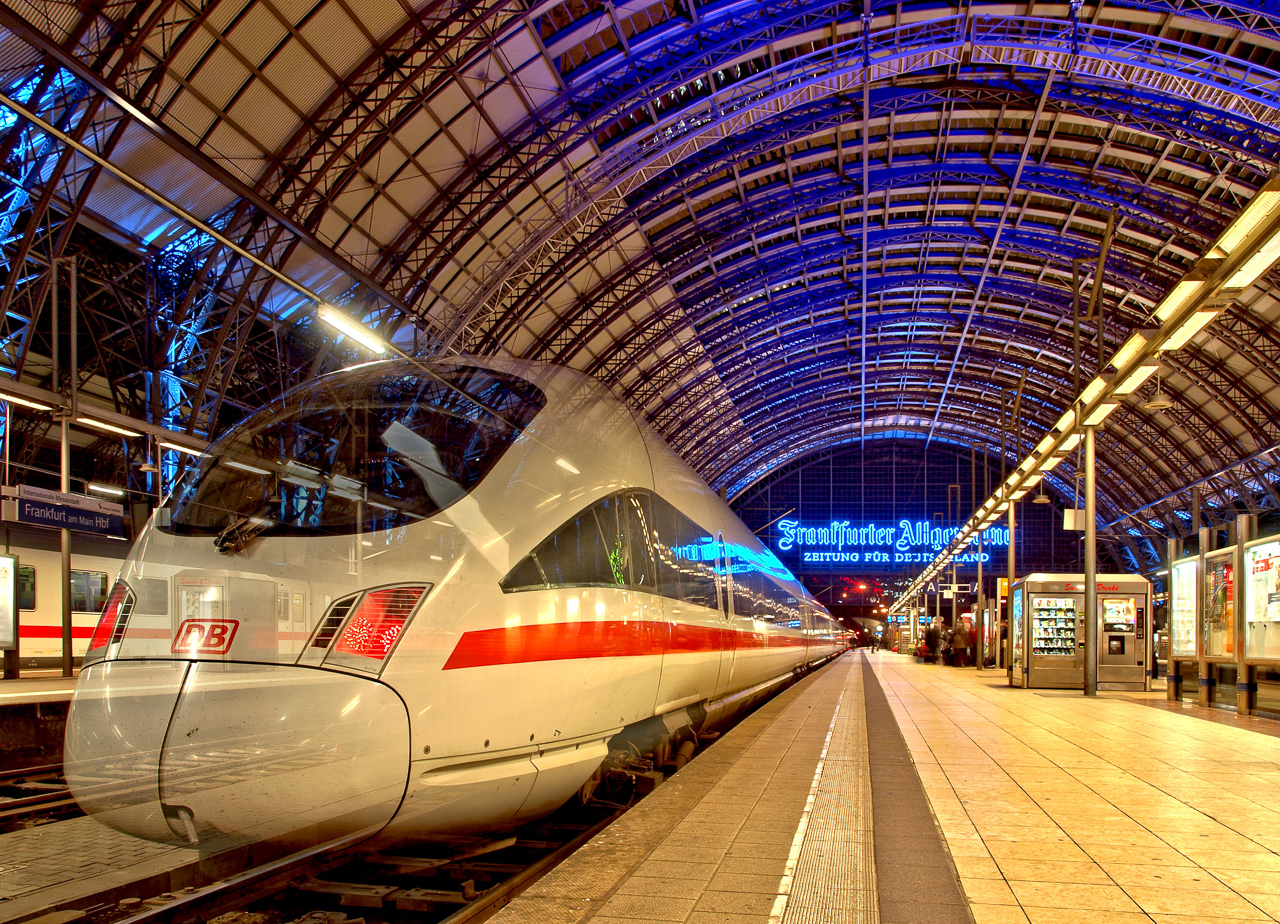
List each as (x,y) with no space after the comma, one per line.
(291,618)
(724,580)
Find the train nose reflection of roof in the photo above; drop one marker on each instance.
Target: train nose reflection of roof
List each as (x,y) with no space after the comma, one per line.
(324,752)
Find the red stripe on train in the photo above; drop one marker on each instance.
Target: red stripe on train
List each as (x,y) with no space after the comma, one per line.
(53,632)
(563,641)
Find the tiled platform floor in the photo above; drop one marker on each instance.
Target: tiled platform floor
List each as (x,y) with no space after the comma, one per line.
(1062,810)
(771,825)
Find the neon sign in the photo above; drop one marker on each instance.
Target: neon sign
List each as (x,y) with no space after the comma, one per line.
(907,543)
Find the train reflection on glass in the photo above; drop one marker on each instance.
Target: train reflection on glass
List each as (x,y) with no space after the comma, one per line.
(423,600)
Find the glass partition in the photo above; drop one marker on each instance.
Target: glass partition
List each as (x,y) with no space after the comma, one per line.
(1220,604)
(1182,608)
(1262,599)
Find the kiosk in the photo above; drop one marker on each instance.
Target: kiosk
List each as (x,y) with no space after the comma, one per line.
(1048,632)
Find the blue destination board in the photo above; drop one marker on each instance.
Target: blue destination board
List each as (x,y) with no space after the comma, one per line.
(60,517)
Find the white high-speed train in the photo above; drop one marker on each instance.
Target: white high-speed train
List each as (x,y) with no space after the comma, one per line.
(423,598)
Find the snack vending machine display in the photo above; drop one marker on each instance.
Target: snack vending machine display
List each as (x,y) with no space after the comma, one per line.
(1049,634)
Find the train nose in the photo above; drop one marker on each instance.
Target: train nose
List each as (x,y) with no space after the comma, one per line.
(194,752)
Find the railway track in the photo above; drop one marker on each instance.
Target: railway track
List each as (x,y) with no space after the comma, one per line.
(34,796)
(459,881)
(463,880)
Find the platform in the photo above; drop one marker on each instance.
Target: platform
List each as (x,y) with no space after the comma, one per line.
(56,689)
(771,824)
(1052,809)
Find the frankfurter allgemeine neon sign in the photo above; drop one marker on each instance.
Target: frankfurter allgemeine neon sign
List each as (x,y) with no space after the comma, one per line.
(906,543)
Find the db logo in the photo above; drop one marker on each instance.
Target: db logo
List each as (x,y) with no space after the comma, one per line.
(204,636)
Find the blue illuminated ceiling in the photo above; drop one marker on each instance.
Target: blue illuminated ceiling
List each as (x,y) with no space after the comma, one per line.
(773,228)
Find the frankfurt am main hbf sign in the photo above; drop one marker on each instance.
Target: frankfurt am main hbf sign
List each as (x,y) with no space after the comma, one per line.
(839,542)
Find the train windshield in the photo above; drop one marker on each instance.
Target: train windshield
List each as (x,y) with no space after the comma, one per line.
(375,447)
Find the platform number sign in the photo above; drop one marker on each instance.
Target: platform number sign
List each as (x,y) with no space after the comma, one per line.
(8,602)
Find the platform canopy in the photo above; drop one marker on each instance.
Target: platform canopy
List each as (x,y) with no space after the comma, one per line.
(773,227)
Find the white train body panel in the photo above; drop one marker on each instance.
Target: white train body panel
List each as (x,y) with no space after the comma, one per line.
(499,696)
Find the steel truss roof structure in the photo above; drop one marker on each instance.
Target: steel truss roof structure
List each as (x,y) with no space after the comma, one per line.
(773,227)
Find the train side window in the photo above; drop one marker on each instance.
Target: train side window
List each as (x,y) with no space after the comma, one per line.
(88,591)
(686,557)
(26,587)
(593,549)
(782,606)
(644,567)
(744,602)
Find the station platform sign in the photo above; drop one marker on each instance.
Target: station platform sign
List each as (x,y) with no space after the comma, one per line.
(55,510)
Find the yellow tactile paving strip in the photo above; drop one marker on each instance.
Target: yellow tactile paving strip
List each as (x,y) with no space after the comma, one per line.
(1064,810)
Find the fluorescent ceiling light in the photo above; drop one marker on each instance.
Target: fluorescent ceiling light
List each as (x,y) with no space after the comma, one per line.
(245,467)
(1255,213)
(353,329)
(1100,413)
(1093,389)
(1050,464)
(1066,421)
(1019,494)
(106,489)
(1071,443)
(1256,265)
(110,428)
(1188,329)
(25,402)
(1134,379)
(1043,445)
(178,447)
(1129,349)
(1177,297)
(1034,480)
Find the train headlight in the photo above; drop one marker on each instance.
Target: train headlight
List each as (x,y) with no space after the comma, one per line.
(111,625)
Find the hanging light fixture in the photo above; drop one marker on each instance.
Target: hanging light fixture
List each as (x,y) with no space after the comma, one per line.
(1158,401)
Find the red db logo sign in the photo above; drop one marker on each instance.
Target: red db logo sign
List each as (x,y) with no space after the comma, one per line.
(204,636)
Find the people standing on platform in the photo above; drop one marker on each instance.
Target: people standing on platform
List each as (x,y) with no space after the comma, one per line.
(960,647)
(931,639)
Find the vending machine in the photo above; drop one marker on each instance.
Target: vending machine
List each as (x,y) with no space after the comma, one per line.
(1049,643)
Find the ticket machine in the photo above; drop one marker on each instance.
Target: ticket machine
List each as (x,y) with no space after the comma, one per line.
(1048,632)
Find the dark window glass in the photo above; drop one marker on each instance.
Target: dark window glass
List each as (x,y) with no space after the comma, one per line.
(686,557)
(594,549)
(373,448)
(630,539)
(782,605)
(88,591)
(644,567)
(26,587)
(744,601)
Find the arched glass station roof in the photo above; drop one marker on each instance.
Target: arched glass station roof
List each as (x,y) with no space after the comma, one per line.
(773,227)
